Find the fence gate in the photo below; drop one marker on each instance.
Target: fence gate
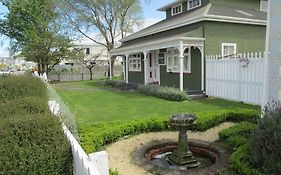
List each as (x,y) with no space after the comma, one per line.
(239,79)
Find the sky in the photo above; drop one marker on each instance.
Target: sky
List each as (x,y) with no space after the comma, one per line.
(150,16)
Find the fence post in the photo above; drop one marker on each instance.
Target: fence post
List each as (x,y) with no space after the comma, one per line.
(100,161)
(82,76)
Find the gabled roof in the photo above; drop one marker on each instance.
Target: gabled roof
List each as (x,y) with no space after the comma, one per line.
(210,12)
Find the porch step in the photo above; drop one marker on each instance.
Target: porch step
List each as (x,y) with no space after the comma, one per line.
(196,94)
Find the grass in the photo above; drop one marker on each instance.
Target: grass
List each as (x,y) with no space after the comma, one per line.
(92,104)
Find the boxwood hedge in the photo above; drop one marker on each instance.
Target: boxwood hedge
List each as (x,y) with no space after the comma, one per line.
(16,87)
(31,139)
(33,144)
(22,106)
(96,136)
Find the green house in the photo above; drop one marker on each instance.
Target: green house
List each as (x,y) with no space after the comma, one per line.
(172,52)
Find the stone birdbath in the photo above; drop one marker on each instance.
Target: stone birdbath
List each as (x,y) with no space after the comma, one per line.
(182,156)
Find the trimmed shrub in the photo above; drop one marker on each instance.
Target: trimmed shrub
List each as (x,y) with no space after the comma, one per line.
(265,143)
(34,144)
(209,120)
(95,136)
(237,135)
(167,93)
(22,106)
(16,87)
(240,162)
(117,84)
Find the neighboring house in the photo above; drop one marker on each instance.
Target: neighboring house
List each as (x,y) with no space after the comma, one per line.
(172,52)
(91,51)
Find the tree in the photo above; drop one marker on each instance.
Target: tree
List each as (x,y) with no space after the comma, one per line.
(91,63)
(110,19)
(33,26)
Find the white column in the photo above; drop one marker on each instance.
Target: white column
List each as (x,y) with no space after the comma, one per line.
(110,68)
(145,66)
(202,69)
(124,68)
(127,68)
(181,64)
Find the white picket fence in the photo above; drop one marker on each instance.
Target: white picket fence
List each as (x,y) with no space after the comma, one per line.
(94,164)
(238,78)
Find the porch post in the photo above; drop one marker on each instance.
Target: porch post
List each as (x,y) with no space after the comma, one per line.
(202,69)
(110,68)
(124,69)
(145,66)
(127,68)
(181,57)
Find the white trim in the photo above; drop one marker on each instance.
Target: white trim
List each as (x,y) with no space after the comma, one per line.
(164,8)
(127,68)
(138,61)
(174,7)
(173,56)
(229,45)
(156,44)
(145,67)
(181,50)
(263,5)
(188,7)
(196,19)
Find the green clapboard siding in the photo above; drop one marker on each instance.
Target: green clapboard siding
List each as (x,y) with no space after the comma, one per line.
(249,38)
(251,4)
(137,77)
(192,30)
(192,81)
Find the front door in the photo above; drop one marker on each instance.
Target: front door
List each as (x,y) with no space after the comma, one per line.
(150,68)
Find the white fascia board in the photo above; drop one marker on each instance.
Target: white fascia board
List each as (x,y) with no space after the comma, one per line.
(234,20)
(153,45)
(199,19)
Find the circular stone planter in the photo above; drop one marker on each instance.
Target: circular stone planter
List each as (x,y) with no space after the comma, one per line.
(144,154)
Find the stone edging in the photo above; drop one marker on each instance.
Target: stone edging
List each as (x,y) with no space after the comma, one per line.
(222,158)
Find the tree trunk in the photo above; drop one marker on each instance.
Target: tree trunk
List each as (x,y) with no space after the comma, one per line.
(91,74)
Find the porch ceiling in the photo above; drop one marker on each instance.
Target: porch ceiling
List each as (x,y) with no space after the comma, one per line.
(159,44)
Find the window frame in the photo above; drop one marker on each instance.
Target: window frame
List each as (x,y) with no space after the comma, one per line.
(173,55)
(175,6)
(228,44)
(138,61)
(190,8)
(263,6)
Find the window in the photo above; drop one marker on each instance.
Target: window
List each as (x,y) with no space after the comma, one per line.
(87,51)
(263,5)
(193,4)
(135,62)
(176,9)
(173,61)
(228,49)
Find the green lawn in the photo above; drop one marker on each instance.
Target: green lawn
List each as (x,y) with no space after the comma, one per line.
(92,104)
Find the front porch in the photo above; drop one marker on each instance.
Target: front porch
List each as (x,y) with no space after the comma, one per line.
(175,61)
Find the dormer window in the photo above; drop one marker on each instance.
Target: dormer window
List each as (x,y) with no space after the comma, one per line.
(177,9)
(191,4)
